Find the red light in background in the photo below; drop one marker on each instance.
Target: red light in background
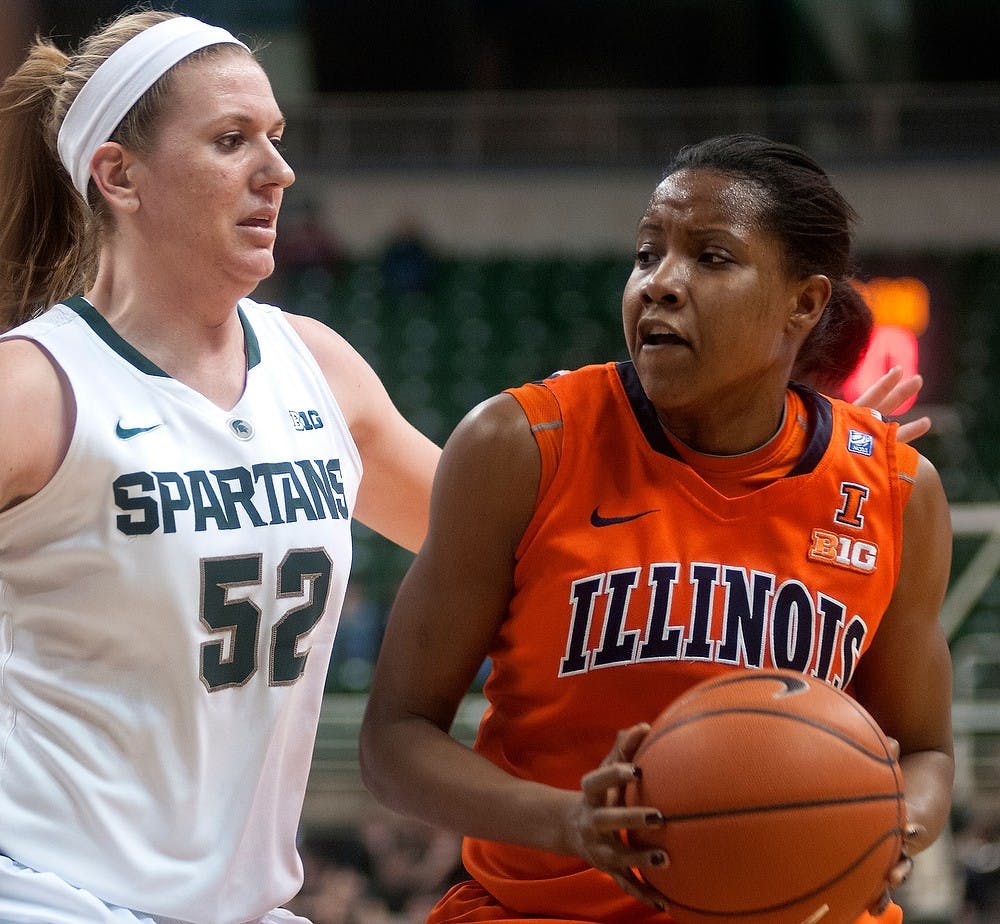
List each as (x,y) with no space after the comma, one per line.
(890,346)
(905,302)
(902,312)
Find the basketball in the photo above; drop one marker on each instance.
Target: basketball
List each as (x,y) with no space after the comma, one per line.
(783,802)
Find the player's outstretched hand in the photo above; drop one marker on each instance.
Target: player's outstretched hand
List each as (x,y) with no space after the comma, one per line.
(888,393)
(601,816)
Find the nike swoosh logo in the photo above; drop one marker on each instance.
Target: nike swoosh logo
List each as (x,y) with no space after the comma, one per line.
(597,520)
(126,433)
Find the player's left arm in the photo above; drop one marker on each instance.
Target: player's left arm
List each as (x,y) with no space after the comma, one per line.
(904,679)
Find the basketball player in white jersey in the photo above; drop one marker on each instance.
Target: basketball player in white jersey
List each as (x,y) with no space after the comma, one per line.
(179,467)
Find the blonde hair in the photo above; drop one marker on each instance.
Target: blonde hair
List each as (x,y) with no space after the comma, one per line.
(50,237)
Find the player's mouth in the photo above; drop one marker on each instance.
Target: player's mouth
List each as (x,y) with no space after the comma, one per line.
(261,218)
(263,222)
(658,334)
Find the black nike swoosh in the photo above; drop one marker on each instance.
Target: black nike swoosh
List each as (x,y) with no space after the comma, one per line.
(597,520)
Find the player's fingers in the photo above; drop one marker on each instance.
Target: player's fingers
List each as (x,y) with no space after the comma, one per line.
(915,839)
(901,392)
(601,841)
(629,739)
(597,784)
(883,902)
(634,886)
(890,391)
(625,867)
(875,395)
(614,819)
(913,429)
(897,876)
(913,834)
(900,872)
(627,742)
(606,784)
(614,853)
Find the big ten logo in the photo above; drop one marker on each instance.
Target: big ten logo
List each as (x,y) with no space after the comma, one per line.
(844,551)
(306,420)
(902,310)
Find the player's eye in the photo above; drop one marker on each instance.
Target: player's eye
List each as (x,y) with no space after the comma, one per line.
(231,140)
(714,258)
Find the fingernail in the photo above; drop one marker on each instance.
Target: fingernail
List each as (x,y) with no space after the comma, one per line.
(655,818)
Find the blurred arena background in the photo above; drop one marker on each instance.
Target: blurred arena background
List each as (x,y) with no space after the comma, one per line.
(469,176)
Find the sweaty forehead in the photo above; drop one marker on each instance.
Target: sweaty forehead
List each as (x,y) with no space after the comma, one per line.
(222,67)
(204,89)
(709,195)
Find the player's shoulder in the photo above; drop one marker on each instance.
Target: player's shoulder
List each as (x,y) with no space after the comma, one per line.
(855,414)
(568,388)
(37,405)
(321,339)
(335,356)
(37,327)
(25,365)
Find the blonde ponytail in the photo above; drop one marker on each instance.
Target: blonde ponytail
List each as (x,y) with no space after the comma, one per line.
(49,236)
(44,249)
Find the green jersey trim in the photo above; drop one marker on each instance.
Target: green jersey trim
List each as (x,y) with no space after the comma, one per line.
(99,325)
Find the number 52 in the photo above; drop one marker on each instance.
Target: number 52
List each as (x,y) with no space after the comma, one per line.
(231,662)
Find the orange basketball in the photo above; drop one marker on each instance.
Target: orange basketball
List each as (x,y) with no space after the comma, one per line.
(784,804)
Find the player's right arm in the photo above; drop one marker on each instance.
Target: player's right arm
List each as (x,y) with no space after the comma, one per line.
(37,413)
(398,460)
(446,615)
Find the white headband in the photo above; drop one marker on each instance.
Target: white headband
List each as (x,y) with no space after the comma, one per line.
(115,87)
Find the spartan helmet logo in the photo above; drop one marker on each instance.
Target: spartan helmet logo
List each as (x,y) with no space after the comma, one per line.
(241,428)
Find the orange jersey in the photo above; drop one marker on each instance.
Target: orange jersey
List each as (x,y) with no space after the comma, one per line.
(636,579)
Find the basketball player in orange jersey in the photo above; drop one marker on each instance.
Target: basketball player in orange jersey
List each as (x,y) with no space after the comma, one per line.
(613,535)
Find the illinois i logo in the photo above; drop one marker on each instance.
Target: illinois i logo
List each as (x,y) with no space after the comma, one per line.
(850,513)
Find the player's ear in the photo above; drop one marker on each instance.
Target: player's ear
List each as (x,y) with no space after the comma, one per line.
(111,171)
(809,299)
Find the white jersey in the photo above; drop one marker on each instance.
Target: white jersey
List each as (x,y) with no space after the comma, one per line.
(168,603)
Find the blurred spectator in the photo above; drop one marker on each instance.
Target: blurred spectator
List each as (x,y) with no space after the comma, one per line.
(407,262)
(306,242)
(359,635)
(978,850)
(412,864)
(308,257)
(337,886)
(391,870)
